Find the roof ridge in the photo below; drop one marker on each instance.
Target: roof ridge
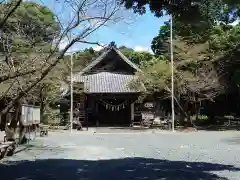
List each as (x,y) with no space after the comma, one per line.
(93,63)
(101,57)
(126,59)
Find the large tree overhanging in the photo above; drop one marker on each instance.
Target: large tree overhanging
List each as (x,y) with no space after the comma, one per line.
(87,19)
(187,10)
(197,15)
(203,36)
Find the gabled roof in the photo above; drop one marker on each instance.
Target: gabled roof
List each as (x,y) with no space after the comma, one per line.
(103,55)
(106,82)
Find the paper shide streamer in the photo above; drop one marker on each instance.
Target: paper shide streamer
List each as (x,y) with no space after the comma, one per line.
(114,107)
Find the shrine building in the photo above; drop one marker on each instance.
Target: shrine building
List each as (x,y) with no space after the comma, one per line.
(105,97)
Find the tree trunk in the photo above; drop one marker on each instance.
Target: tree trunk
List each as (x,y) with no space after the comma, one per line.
(22,134)
(43,75)
(16,117)
(10,131)
(42,106)
(3,122)
(182,118)
(197,109)
(41,112)
(189,123)
(187,113)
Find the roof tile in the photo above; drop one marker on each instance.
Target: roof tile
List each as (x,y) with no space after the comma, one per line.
(106,82)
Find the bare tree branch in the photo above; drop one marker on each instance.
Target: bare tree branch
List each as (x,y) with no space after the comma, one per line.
(10,13)
(16,74)
(87,23)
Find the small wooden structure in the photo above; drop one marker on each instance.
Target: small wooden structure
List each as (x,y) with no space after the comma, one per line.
(7,149)
(144,114)
(43,130)
(30,118)
(30,115)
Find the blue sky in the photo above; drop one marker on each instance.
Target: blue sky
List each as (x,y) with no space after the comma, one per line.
(138,34)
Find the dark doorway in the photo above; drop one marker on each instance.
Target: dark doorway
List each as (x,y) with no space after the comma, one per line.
(108,116)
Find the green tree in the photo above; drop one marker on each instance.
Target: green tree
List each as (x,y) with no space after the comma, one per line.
(187,10)
(200,62)
(28,34)
(136,57)
(33,22)
(192,18)
(206,48)
(83,58)
(48,91)
(160,43)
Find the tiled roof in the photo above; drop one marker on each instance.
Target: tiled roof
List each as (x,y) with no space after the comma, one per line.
(106,82)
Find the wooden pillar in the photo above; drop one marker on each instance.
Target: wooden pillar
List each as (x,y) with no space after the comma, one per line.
(86,111)
(96,114)
(132,114)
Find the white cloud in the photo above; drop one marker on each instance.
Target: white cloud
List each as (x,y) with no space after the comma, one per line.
(64,42)
(235,23)
(232,24)
(76,47)
(142,49)
(97,48)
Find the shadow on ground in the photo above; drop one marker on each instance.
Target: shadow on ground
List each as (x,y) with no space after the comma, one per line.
(219,128)
(128,128)
(115,169)
(234,140)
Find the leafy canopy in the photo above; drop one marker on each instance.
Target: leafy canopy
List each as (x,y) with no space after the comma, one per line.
(30,26)
(188,10)
(134,56)
(197,53)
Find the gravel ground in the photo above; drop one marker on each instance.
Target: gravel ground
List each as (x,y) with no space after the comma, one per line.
(127,155)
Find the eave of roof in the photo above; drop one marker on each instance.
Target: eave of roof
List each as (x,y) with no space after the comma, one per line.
(106,82)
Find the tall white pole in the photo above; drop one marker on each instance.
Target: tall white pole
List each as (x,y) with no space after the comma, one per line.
(71,81)
(172,79)
(71,92)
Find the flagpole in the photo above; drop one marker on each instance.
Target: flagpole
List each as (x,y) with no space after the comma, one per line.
(172,77)
(71,81)
(71,92)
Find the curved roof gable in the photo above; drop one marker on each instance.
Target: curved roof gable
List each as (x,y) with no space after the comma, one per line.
(105,54)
